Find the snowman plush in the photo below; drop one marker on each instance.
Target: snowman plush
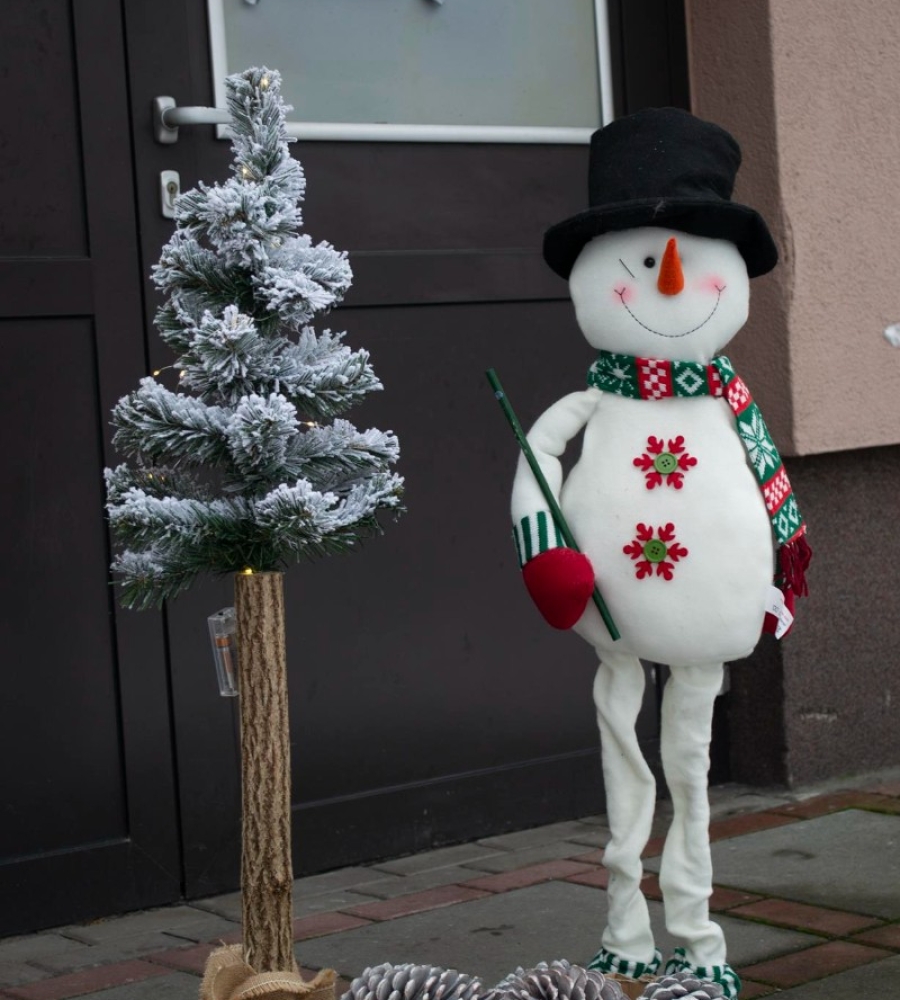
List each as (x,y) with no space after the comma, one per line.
(679,503)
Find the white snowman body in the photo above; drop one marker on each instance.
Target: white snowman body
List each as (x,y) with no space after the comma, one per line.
(712,607)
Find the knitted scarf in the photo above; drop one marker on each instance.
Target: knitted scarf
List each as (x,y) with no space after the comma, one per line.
(651,378)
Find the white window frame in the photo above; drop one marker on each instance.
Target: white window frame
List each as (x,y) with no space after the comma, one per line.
(364,132)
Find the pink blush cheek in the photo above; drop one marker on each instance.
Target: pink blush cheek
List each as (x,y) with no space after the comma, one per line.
(712,284)
(622,293)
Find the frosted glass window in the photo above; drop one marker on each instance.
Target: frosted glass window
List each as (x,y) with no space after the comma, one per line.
(463,66)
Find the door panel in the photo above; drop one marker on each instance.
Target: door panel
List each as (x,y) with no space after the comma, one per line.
(87,814)
(58,538)
(39,34)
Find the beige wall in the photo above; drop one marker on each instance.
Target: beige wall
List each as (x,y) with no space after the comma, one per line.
(811,90)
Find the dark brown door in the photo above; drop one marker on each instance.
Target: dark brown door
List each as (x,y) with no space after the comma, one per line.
(429,703)
(88,817)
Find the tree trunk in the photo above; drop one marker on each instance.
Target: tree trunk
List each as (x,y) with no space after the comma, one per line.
(266,871)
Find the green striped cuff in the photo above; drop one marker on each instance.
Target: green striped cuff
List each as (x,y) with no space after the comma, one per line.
(534,534)
(722,975)
(606,961)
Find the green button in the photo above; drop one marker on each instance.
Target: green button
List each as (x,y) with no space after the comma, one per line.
(655,551)
(665,463)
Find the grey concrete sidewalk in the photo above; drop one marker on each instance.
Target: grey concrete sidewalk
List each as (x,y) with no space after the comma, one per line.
(808,892)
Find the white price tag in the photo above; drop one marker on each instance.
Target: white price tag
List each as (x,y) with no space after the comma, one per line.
(775,606)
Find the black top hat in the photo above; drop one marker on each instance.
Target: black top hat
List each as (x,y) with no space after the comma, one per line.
(663,167)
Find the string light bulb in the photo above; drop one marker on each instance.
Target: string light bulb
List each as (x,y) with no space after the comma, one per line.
(264,83)
(246,172)
(246,571)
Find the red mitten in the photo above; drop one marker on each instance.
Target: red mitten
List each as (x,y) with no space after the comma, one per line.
(560,582)
(770,623)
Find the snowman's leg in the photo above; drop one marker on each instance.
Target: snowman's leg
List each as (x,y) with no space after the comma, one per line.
(630,798)
(686,869)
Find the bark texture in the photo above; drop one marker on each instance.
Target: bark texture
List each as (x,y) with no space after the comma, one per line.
(266,870)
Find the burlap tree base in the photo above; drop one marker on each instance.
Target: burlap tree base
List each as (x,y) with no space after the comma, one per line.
(228,977)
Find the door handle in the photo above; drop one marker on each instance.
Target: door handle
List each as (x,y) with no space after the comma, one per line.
(167,116)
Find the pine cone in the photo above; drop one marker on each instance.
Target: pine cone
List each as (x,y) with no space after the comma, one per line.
(412,982)
(558,981)
(682,984)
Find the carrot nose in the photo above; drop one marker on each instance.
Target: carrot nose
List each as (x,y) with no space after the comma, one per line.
(671,277)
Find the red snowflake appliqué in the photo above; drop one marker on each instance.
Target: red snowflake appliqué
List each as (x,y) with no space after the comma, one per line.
(662,551)
(658,464)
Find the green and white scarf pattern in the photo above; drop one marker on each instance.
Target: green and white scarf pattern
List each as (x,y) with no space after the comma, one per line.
(652,378)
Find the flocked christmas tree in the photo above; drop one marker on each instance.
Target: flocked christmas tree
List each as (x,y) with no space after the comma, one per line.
(240,460)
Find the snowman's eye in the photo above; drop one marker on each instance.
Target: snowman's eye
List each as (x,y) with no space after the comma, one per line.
(649,262)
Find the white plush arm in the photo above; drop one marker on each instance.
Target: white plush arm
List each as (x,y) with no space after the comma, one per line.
(548,438)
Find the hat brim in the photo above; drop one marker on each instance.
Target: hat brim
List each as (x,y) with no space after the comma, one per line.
(722,220)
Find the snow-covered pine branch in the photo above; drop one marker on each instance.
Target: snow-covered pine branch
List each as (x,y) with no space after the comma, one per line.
(225,359)
(155,423)
(237,466)
(306,522)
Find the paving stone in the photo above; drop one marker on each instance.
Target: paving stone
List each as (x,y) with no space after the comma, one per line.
(191,960)
(227,905)
(738,826)
(23,949)
(339,901)
(17,973)
(303,905)
(397,885)
(824,805)
(732,799)
(846,861)
(598,878)
(751,990)
(420,902)
(146,922)
(113,951)
(512,860)
(334,881)
(328,885)
(879,979)
(491,936)
(593,836)
(532,875)
(816,919)
(89,981)
(538,836)
(653,847)
(725,899)
(321,924)
(207,927)
(881,937)
(443,857)
(814,963)
(890,788)
(172,986)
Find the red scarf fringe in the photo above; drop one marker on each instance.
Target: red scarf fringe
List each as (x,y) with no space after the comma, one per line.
(795,557)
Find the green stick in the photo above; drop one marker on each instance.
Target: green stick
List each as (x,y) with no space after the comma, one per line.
(510,415)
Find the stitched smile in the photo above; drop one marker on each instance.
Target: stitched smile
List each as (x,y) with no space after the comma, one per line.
(672,336)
